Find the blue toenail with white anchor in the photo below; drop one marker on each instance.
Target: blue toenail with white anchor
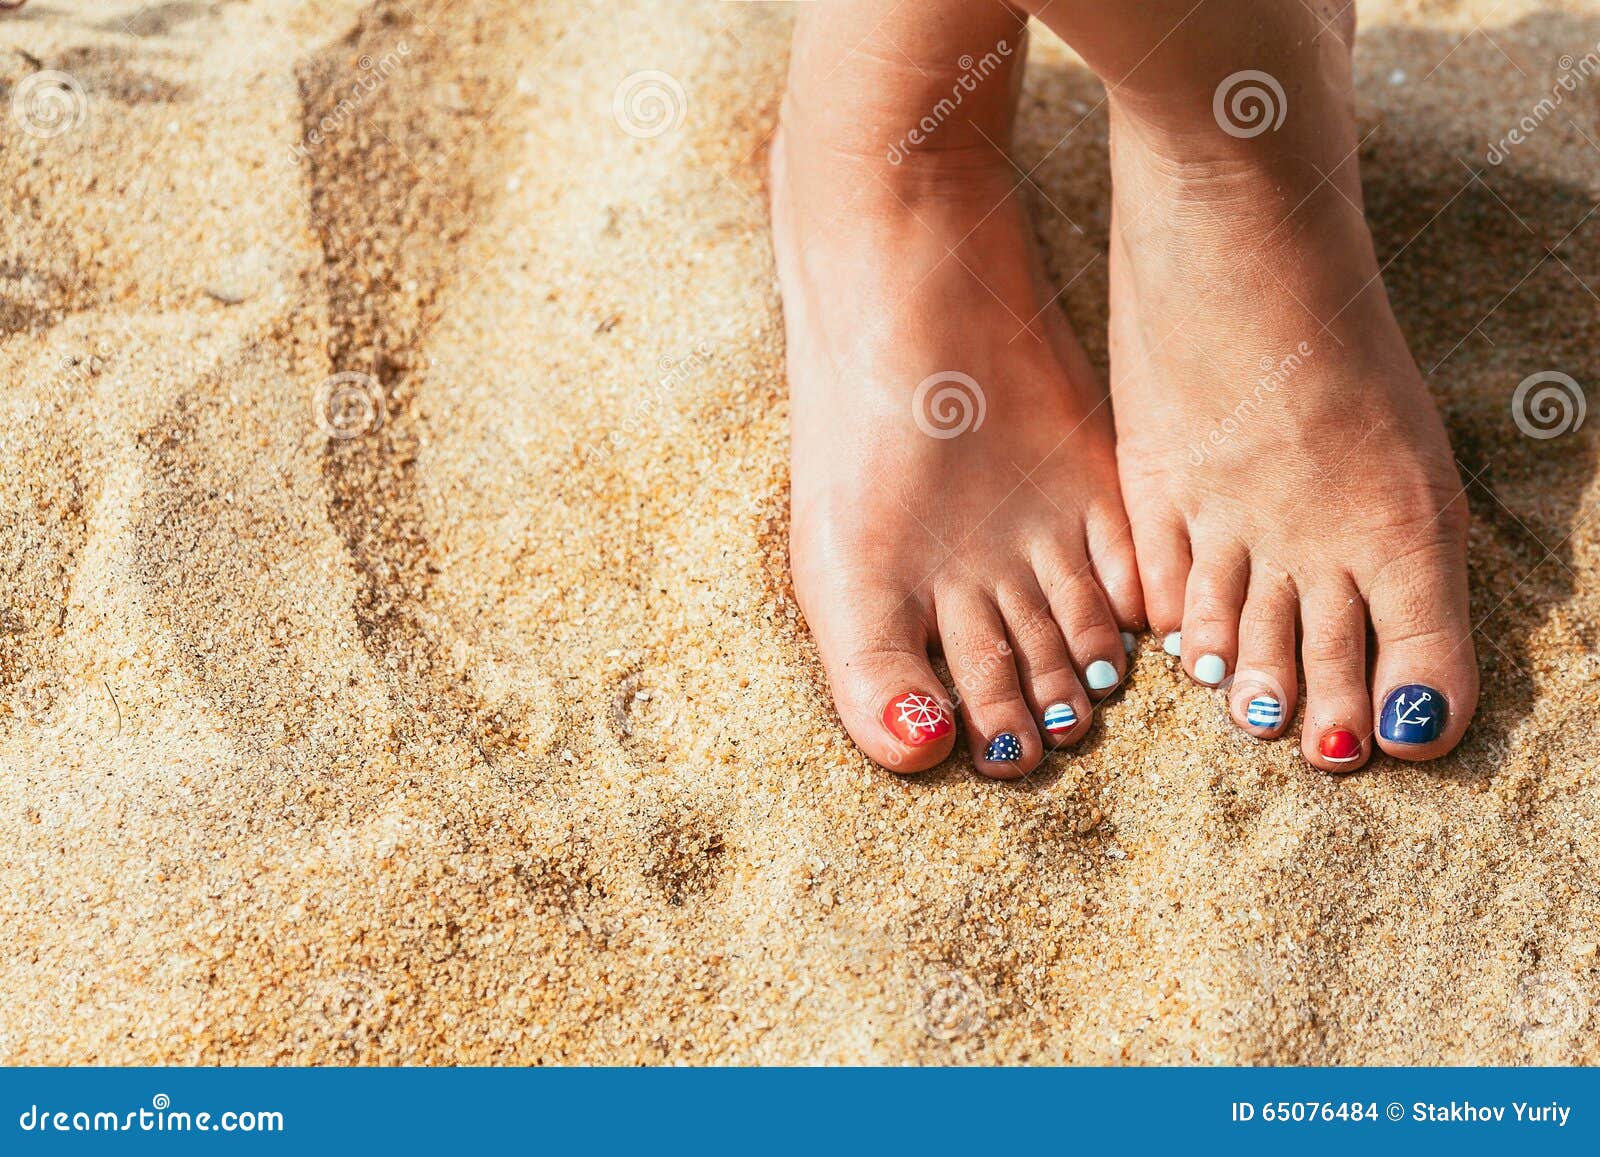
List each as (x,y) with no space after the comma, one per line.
(1004,748)
(1413,714)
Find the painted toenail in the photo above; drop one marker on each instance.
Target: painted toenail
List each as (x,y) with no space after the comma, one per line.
(1210,669)
(1100,675)
(1339,746)
(1059,718)
(1173,644)
(1003,748)
(1264,711)
(1128,642)
(1413,714)
(916,719)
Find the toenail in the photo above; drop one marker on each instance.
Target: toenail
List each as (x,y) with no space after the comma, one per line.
(1339,746)
(1003,748)
(1100,675)
(916,719)
(1059,718)
(1210,669)
(1173,643)
(1413,714)
(1264,711)
(1128,642)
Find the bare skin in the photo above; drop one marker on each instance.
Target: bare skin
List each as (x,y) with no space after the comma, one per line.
(1288,483)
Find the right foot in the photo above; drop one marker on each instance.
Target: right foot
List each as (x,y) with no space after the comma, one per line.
(1284,463)
(1005,546)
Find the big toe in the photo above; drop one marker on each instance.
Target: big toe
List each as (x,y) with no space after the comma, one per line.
(1425,680)
(884,688)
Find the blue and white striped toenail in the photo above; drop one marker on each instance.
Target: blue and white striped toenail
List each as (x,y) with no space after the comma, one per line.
(1264,711)
(1413,714)
(1100,675)
(1003,748)
(1059,718)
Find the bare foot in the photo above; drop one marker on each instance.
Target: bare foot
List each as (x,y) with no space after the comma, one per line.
(1281,457)
(954,482)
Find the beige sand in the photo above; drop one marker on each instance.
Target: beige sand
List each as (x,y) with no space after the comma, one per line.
(492,734)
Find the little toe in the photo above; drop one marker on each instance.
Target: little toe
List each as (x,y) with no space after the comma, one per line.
(1116,569)
(1337,731)
(1000,729)
(1162,545)
(1262,697)
(1212,603)
(1425,678)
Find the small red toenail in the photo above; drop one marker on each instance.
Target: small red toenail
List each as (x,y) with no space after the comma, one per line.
(1339,746)
(917,719)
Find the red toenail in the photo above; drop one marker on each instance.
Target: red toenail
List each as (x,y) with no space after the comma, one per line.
(917,719)
(1340,746)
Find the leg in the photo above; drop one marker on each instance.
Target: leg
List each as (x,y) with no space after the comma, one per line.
(1279,451)
(954,481)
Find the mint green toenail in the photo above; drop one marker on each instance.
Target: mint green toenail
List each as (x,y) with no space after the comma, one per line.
(1210,669)
(1100,675)
(1173,644)
(1128,642)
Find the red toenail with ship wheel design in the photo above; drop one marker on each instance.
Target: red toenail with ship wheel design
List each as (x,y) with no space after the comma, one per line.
(917,719)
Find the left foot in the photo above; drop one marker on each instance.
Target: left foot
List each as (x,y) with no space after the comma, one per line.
(1280,455)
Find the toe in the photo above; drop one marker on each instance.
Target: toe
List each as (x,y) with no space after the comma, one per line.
(1425,679)
(1262,696)
(1086,621)
(1050,686)
(1337,731)
(884,688)
(1000,730)
(1212,602)
(1162,546)
(1116,569)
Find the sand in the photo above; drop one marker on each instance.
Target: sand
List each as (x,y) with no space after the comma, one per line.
(469,717)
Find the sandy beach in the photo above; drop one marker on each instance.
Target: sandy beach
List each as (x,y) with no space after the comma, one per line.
(398,662)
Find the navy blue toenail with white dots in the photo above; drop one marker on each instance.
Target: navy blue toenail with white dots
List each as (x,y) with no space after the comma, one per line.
(1004,748)
(1413,714)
